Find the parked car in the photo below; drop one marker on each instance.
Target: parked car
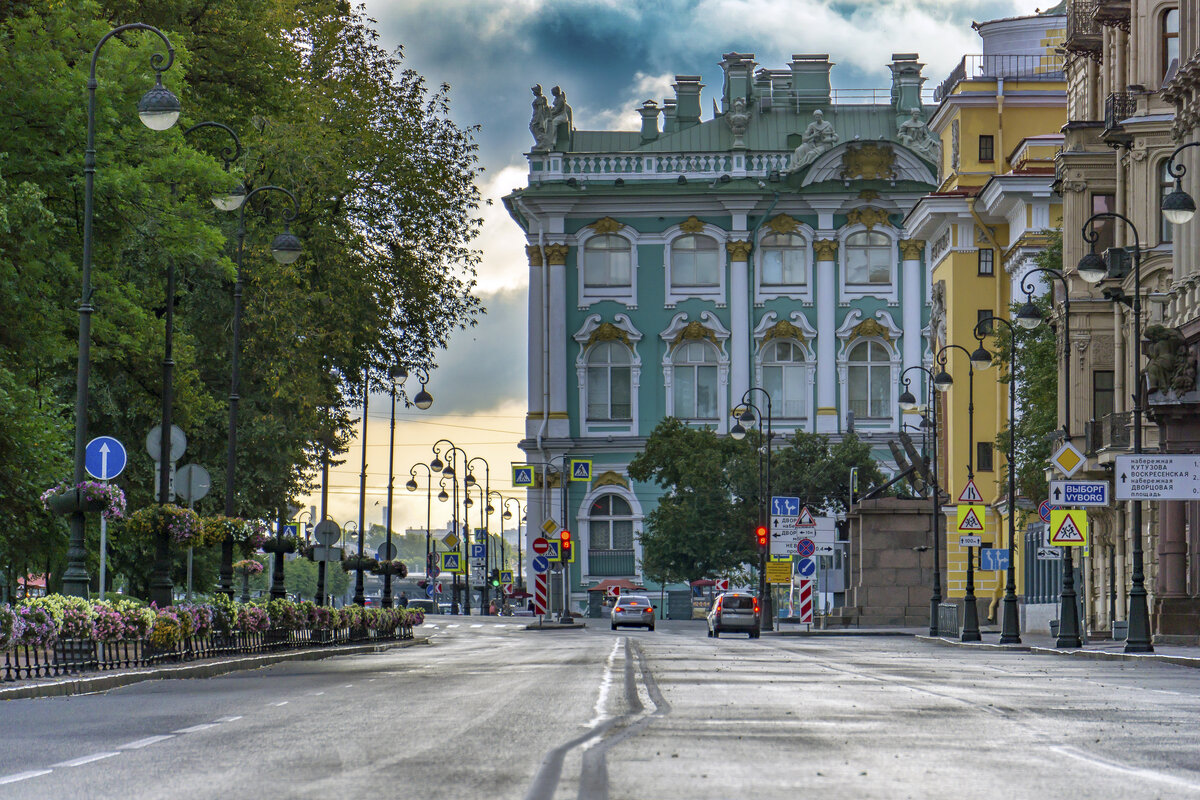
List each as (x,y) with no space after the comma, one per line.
(422,604)
(633,609)
(735,611)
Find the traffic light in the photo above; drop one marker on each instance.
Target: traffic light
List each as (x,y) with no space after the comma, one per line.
(760,535)
(565,545)
(495,578)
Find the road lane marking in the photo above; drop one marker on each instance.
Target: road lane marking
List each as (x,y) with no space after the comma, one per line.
(280,703)
(348,686)
(21,776)
(196,728)
(605,682)
(317,694)
(229,719)
(1124,768)
(477,625)
(138,744)
(79,762)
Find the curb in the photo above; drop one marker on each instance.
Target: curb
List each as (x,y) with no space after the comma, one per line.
(835,632)
(1016,648)
(1092,655)
(210,669)
(555,626)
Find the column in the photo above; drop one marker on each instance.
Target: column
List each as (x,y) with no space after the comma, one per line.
(556,263)
(825,253)
(534,350)
(910,302)
(739,318)
(1172,549)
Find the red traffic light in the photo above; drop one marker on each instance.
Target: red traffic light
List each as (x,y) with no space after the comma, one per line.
(760,533)
(565,537)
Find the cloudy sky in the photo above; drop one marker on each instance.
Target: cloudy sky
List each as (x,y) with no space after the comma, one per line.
(609,56)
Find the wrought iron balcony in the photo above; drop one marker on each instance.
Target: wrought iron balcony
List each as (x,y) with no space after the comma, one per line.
(1118,106)
(1083,31)
(1113,13)
(1110,432)
(611,563)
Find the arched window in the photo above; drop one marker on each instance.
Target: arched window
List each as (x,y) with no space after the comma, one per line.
(783,374)
(610,526)
(868,377)
(1170,43)
(606,260)
(1165,185)
(694,261)
(695,380)
(608,382)
(868,258)
(784,260)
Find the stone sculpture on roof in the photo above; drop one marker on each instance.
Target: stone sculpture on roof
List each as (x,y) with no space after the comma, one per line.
(916,136)
(738,120)
(550,122)
(819,136)
(539,124)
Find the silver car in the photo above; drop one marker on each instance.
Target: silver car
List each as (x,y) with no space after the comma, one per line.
(633,609)
(735,611)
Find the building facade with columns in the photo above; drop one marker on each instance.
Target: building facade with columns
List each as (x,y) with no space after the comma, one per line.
(672,268)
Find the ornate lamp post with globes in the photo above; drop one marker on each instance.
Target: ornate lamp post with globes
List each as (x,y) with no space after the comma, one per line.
(908,402)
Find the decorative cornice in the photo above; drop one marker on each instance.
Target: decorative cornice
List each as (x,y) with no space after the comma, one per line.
(911,249)
(738,250)
(782,223)
(825,249)
(610,478)
(868,215)
(606,225)
(694,331)
(871,327)
(783,330)
(607,332)
(556,255)
(691,225)
(535,255)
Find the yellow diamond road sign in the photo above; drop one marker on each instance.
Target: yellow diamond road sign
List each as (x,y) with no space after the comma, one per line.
(1068,459)
(450,540)
(970,518)
(1068,526)
(550,527)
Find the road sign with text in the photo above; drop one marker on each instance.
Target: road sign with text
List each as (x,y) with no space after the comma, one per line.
(1158,477)
(1079,493)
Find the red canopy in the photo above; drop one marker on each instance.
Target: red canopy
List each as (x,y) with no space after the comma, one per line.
(704,582)
(624,584)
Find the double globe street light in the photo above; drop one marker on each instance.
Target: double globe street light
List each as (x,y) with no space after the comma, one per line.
(908,402)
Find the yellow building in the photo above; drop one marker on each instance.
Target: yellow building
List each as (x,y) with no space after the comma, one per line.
(999,119)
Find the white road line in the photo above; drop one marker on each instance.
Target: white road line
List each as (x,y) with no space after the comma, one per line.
(196,728)
(348,686)
(476,625)
(317,694)
(605,683)
(280,703)
(79,762)
(453,625)
(229,719)
(149,740)
(21,776)
(1067,750)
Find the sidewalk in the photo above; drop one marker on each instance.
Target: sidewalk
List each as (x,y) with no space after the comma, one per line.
(1100,649)
(208,668)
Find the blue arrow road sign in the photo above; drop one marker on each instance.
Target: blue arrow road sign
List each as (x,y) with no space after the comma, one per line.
(785,506)
(540,564)
(993,558)
(807,567)
(429,590)
(104,458)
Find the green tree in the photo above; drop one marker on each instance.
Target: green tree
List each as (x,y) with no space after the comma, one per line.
(817,470)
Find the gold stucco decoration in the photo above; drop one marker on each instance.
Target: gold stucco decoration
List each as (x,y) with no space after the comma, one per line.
(868,194)
(739,250)
(783,330)
(694,331)
(607,332)
(535,255)
(610,478)
(782,223)
(606,225)
(556,255)
(871,327)
(691,225)
(825,249)
(911,249)
(869,161)
(867,215)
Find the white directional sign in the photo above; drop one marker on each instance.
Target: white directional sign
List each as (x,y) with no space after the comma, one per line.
(1158,477)
(786,533)
(970,541)
(1079,493)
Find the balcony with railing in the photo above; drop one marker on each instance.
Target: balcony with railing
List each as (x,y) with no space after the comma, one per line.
(1023,67)
(1109,434)
(1113,13)
(1083,31)
(611,563)
(1118,106)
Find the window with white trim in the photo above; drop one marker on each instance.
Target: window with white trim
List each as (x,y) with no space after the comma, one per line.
(607,262)
(868,378)
(783,376)
(695,261)
(609,395)
(610,523)
(784,260)
(695,380)
(868,258)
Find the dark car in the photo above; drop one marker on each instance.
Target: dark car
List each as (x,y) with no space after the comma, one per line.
(735,612)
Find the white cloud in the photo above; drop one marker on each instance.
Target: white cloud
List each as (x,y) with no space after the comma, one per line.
(504,264)
(624,116)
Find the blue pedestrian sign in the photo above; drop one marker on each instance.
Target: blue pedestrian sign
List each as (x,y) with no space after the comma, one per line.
(452,562)
(104,458)
(292,529)
(993,558)
(807,567)
(785,506)
(506,576)
(479,551)
(540,564)
(522,476)
(581,469)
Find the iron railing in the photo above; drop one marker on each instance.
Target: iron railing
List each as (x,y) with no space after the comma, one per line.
(610,563)
(1118,106)
(1025,67)
(1083,31)
(1110,432)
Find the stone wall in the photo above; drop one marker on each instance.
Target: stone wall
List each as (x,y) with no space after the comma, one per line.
(891,564)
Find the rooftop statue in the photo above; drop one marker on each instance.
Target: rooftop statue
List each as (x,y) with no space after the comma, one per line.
(738,121)
(916,136)
(819,136)
(539,125)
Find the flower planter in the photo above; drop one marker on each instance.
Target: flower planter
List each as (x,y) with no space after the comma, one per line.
(75,653)
(275,545)
(72,500)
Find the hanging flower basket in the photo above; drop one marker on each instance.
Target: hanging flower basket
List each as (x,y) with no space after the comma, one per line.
(247,534)
(280,544)
(394,567)
(356,562)
(89,496)
(182,525)
(248,567)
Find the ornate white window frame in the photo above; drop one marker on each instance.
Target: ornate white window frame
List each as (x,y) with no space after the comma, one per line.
(849,334)
(586,337)
(588,295)
(716,294)
(584,517)
(671,335)
(769,321)
(888,292)
(800,292)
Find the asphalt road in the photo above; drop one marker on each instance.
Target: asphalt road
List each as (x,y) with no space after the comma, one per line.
(493,711)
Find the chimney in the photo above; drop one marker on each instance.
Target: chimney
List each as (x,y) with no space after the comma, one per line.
(810,80)
(739,71)
(649,112)
(687,98)
(906,83)
(668,112)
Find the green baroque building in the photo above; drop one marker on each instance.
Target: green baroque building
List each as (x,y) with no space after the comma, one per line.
(673,267)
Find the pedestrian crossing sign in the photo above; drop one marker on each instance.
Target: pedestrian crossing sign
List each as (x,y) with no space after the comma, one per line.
(452,562)
(522,476)
(581,469)
(970,518)
(970,493)
(1068,526)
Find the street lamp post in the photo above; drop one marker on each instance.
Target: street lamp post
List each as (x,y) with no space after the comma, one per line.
(158,110)
(490,508)
(1029,317)
(738,432)
(508,515)
(981,359)
(412,487)
(360,596)
(449,471)
(748,416)
(484,517)
(396,373)
(1093,269)
(942,382)
(285,249)
(908,402)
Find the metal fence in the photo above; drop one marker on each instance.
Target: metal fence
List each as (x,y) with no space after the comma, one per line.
(75,656)
(1118,106)
(610,563)
(1043,577)
(1047,67)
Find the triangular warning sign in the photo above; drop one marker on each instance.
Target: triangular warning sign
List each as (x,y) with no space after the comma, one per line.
(805,519)
(970,493)
(970,521)
(1068,533)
